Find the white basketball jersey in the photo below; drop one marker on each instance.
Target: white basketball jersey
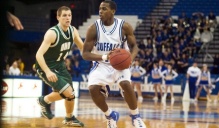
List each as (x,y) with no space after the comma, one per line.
(109,37)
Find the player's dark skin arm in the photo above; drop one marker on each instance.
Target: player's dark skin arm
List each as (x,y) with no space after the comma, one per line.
(89,44)
(128,32)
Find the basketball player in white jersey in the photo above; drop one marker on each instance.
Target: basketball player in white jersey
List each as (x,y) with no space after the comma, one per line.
(106,34)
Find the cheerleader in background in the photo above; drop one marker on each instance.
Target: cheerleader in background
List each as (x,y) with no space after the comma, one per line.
(204,81)
(137,72)
(169,75)
(156,80)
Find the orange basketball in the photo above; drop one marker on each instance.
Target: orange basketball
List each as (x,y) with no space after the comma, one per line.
(120,59)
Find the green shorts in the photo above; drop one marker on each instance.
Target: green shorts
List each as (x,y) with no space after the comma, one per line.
(63,82)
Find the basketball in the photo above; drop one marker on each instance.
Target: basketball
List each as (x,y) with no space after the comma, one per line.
(120,59)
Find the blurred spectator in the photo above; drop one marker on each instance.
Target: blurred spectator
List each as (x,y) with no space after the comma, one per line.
(33,72)
(20,65)
(158,40)
(165,38)
(212,21)
(141,45)
(166,57)
(182,64)
(211,16)
(69,66)
(176,55)
(14,70)
(149,45)
(6,70)
(198,45)
(76,55)
(147,63)
(215,68)
(216,60)
(191,47)
(183,16)
(5,62)
(76,69)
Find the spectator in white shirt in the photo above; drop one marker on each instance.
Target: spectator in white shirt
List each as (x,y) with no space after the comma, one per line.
(14,70)
(192,76)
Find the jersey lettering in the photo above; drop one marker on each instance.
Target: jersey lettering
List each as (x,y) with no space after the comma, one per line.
(65,46)
(106,46)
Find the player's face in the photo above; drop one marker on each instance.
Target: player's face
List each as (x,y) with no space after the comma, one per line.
(105,11)
(65,18)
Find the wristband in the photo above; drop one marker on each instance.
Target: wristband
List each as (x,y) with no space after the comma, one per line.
(104,57)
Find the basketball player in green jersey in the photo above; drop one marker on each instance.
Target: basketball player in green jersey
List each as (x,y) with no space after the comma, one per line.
(51,68)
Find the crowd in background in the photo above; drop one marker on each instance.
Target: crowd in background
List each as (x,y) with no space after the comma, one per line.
(177,41)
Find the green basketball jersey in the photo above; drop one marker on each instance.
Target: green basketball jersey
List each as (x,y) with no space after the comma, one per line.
(59,50)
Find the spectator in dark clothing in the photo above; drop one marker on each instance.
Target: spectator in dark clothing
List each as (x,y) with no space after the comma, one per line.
(76,55)
(216,60)
(141,45)
(191,47)
(76,69)
(149,45)
(211,16)
(182,64)
(176,55)
(183,16)
(148,61)
(141,55)
(182,46)
(166,57)
(198,45)
(158,40)
(165,38)
(215,68)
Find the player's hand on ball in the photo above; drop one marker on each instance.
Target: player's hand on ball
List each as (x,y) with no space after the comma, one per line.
(108,56)
(51,76)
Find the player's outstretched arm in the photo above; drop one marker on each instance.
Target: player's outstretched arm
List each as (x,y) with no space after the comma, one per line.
(129,33)
(91,38)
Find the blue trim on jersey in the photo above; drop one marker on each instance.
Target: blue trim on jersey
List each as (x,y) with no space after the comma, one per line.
(95,65)
(98,32)
(120,30)
(114,28)
(101,24)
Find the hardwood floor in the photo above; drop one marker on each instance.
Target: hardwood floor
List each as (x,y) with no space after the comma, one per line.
(25,113)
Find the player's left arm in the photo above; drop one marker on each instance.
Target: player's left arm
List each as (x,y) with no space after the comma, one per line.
(77,39)
(129,33)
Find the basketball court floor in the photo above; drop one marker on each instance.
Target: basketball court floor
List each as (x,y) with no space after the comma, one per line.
(25,113)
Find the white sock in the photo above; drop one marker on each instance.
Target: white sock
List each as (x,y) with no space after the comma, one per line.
(134,112)
(108,112)
(47,100)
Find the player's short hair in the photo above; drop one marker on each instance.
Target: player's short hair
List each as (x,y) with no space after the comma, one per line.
(59,11)
(112,4)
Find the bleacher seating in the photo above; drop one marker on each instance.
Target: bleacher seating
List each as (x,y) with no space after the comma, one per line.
(191,6)
(135,7)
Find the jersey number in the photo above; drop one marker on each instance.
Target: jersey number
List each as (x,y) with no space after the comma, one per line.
(60,56)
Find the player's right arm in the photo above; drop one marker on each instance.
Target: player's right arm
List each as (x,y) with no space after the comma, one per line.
(91,38)
(49,38)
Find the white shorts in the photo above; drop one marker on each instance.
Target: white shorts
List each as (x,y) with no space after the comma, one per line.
(105,74)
